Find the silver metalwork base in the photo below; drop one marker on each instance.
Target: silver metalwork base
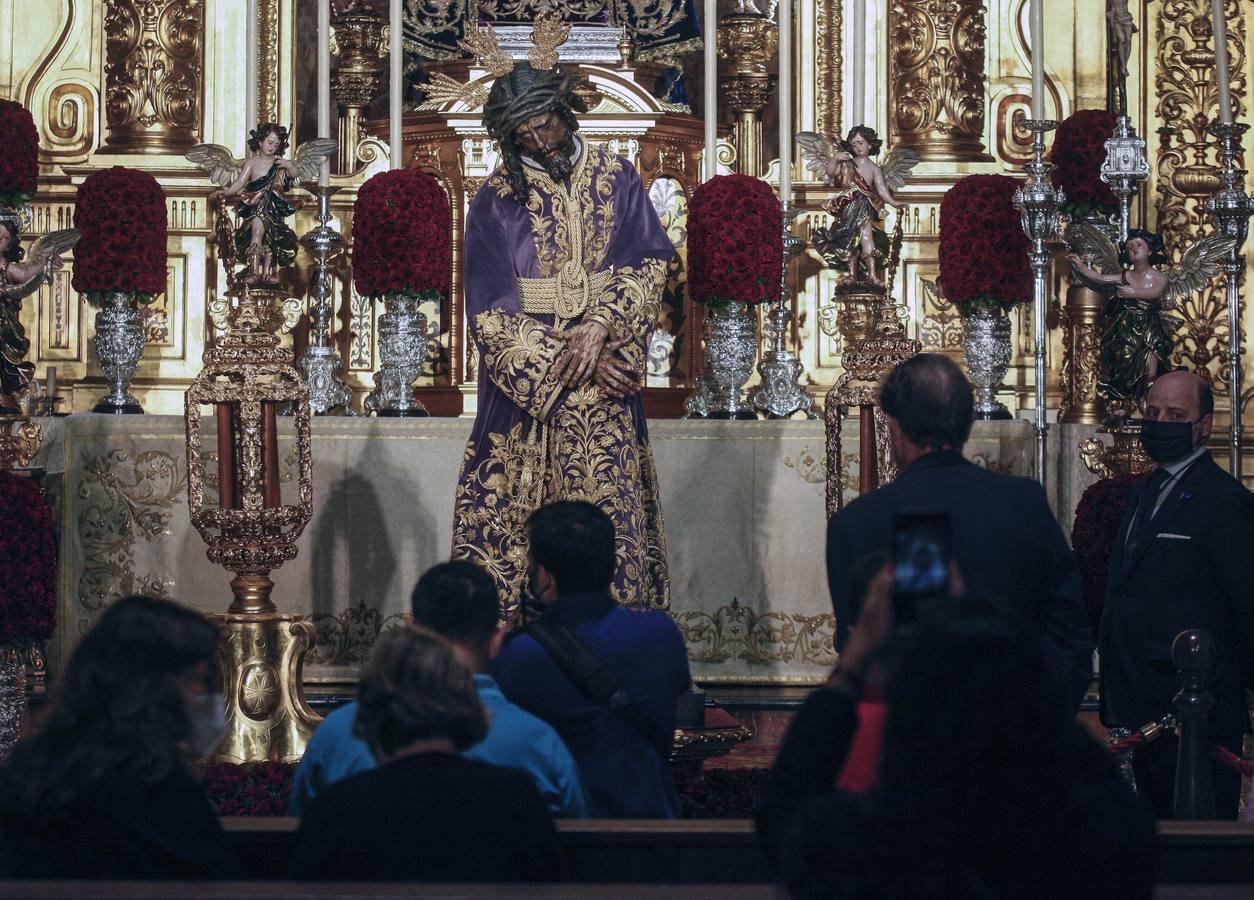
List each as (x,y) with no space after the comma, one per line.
(780,394)
(320,364)
(986,352)
(119,347)
(403,348)
(731,347)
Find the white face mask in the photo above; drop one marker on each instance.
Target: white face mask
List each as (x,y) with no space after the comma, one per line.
(207,715)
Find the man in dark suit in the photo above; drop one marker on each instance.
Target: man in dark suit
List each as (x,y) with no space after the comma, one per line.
(1007,544)
(1183,558)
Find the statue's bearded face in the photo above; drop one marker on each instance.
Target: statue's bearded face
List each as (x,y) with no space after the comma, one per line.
(546,139)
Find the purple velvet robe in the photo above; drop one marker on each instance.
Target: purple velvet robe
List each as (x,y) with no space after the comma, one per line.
(535,441)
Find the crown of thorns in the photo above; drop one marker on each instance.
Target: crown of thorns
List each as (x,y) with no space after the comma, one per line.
(547,34)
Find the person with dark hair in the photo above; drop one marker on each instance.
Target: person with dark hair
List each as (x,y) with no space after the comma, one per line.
(566,260)
(458,601)
(103,789)
(1181,560)
(607,678)
(427,813)
(988,787)
(1002,535)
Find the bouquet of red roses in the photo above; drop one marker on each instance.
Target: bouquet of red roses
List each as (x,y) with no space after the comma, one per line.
(735,241)
(1097,519)
(402,236)
(28,562)
(983,250)
(19,163)
(1078,153)
(121,214)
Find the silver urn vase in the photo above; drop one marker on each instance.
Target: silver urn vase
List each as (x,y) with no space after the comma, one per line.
(986,349)
(12,698)
(119,346)
(731,349)
(403,348)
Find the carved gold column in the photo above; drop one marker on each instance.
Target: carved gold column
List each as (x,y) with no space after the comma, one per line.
(359,43)
(936,78)
(828,62)
(1187,164)
(154,70)
(267,61)
(1081,349)
(748,42)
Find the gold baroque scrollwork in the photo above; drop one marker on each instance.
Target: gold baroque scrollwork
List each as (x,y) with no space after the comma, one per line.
(1187,98)
(829,61)
(154,65)
(267,61)
(936,77)
(122,500)
(739,632)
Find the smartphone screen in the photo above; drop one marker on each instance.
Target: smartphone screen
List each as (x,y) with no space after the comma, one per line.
(921,560)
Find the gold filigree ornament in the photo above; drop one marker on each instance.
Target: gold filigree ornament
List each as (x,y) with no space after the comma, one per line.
(19,441)
(547,34)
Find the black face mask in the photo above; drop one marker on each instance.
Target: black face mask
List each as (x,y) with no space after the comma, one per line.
(1167,442)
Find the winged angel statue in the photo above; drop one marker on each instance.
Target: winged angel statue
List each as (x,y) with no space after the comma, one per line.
(1136,337)
(262,237)
(863,190)
(19,280)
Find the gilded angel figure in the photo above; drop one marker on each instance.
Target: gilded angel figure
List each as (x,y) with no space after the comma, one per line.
(21,274)
(1136,341)
(262,237)
(863,190)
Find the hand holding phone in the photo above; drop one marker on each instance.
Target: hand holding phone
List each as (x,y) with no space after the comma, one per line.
(921,558)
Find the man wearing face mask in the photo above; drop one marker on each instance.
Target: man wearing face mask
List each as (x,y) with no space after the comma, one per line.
(1181,559)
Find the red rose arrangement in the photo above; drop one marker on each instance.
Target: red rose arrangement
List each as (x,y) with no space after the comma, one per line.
(251,789)
(983,250)
(735,241)
(121,213)
(19,163)
(1097,519)
(1078,153)
(402,236)
(28,562)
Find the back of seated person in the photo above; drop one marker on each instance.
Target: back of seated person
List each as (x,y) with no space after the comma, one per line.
(458,601)
(103,790)
(987,787)
(425,813)
(623,760)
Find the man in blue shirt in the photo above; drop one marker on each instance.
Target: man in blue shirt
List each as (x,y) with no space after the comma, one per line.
(459,601)
(624,764)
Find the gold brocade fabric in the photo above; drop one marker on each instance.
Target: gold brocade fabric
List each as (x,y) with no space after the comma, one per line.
(536,441)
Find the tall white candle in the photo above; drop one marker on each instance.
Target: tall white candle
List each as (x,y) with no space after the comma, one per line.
(1222,72)
(785,100)
(857,66)
(324,82)
(709,34)
(250,65)
(1036,25)
(395,88)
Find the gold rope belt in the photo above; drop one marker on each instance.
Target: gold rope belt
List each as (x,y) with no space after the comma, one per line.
(565,295)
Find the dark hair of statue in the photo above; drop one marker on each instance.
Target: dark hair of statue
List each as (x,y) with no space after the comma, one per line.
(413,688)
(263,131)
(14,252)
(119,711)
(1158,250)
(457,600)
(868,134)
(574,540)
(931,400)
(515,98)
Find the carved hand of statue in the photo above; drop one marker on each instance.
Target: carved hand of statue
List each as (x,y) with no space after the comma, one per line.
(614,375)
(584,343)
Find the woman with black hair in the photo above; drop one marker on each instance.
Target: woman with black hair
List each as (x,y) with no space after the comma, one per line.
(987,785)
(104,790)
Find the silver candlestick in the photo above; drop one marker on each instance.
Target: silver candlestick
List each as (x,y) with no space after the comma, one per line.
(1125,169)
(1038,203)
(1231,207)
(779,395)
(320,363)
